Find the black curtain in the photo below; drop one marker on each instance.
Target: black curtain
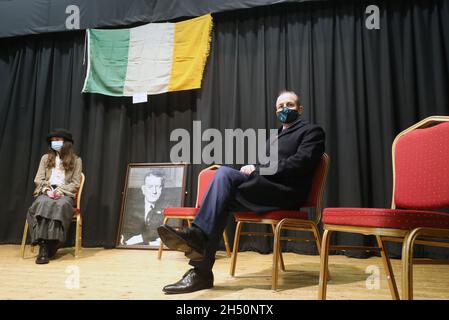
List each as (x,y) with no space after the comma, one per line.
(363,86)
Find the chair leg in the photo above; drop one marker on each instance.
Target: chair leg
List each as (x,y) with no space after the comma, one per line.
(226,243)
(276,256)
(322,287)
(235,247)
(316,233)
(388,269)
(281,258)
(24,239)
(79,226)
(407,264)
(161,245)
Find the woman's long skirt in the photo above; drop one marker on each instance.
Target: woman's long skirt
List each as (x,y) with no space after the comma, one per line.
(49,219)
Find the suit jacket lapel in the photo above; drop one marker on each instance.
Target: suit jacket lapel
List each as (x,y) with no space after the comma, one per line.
(281,132)
(293,128)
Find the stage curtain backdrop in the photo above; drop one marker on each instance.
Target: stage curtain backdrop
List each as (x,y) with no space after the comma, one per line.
(363,86)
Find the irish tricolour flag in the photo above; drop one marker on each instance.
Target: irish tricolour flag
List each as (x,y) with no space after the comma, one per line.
(153,58)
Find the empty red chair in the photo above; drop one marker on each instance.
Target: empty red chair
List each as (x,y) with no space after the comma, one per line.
(420,185)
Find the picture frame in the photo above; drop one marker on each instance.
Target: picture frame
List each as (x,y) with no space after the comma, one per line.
(149,188)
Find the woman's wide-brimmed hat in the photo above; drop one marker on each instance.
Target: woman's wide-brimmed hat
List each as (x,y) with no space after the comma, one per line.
(61,133)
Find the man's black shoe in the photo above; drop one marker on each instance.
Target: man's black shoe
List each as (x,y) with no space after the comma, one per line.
(190,240)
(191,281)
(42,257)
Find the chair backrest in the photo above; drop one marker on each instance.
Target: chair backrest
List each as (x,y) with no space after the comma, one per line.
(205,177)
(315,199)
(80,192)
(421,165)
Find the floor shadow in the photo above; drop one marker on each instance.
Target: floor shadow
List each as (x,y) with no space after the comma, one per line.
(296,276)
(69,253)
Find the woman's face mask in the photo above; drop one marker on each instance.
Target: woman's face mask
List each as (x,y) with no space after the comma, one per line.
(57,145)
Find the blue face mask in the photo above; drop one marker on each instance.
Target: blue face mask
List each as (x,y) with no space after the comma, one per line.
(287,115)
(57,145)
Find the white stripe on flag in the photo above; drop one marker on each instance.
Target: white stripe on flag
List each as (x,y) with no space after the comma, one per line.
(149,58)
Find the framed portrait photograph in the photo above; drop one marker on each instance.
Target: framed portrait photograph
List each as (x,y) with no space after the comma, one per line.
(149,188)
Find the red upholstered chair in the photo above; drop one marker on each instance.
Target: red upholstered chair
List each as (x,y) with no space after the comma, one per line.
(77,218)
(420,185)
(288,220)
(205,177)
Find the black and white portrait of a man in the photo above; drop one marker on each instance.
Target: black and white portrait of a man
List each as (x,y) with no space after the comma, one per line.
(149,190)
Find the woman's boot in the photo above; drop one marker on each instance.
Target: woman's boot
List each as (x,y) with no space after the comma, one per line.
(42,257)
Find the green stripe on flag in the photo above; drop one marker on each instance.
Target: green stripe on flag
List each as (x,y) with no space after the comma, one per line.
(108,61)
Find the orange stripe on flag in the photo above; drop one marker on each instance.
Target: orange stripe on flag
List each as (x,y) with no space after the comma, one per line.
(190,51)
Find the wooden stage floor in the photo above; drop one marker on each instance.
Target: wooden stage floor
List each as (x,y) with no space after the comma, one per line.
(138,274)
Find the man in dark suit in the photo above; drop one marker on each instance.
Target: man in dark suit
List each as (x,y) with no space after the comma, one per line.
(300,147)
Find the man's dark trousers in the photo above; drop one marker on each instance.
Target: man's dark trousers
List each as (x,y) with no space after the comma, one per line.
(215,209)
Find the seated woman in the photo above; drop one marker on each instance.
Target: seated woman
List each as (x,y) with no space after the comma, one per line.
(57,182)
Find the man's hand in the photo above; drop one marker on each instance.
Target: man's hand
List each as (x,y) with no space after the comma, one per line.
(248,169)
(51,194)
